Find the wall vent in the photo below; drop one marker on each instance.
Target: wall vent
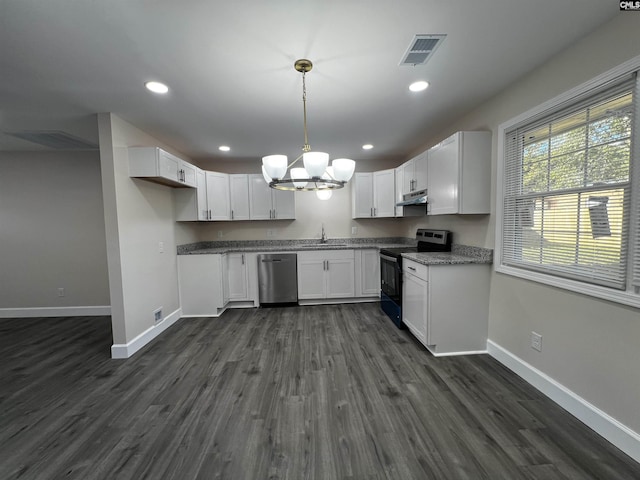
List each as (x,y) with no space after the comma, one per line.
(421,49)
(56,139)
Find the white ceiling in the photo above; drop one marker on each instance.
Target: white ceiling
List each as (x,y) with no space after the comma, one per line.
(229,66)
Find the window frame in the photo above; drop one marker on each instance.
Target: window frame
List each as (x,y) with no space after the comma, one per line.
(630,296)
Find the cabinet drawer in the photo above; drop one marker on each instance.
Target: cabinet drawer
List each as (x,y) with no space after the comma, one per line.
(415,268)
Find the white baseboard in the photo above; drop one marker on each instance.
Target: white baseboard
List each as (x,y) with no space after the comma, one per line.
(90,311)
(452,354)
(608,427)
(125,350)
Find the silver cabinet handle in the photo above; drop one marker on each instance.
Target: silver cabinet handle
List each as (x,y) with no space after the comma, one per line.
(231,214)
(375,212)
(243,259)
(210,215)
(412,268)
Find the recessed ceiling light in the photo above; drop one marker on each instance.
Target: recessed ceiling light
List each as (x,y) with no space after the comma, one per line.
(224,148)
(367,146)
(418,86)
(157,87)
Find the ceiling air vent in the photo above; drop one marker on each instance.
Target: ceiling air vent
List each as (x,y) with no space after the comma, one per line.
(54,139)
(421,49)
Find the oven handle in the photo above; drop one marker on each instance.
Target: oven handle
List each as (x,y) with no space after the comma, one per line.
(387,257)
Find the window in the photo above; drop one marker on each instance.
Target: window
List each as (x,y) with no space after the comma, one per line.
(567,191)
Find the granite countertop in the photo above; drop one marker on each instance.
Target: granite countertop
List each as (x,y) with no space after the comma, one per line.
(460,254)
(204,248)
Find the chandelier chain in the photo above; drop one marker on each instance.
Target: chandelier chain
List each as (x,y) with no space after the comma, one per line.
(306,147)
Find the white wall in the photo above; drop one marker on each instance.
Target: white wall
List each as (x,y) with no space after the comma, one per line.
(138,216)
(51,232)
(590,346)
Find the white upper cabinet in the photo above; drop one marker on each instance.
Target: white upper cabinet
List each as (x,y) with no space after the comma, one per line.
(373,194)
(160,166)
(209,201)
(239,196)
(459,180)
(266,203)
(218,196)
(414,174)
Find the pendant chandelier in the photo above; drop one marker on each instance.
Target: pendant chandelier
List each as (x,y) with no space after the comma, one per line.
(316,175)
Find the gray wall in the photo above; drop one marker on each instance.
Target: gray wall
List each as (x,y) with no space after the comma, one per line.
(52,230)
(590,346)
(138,216)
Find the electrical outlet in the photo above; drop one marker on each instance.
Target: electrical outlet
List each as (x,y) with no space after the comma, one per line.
(161,247)
(536,341)
(354,230)
(157,315)
(61,292)
(220,234)
(271,233)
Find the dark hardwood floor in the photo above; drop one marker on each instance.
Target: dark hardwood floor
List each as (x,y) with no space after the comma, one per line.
(327,392)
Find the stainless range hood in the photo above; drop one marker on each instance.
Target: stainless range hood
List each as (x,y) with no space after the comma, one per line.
(419,197)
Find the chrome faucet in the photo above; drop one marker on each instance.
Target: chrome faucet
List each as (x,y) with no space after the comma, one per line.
(323,238)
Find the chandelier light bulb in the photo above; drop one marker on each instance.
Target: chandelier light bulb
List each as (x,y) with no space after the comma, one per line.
(275,165)
(343,169)
(299,173)
(324,194)
(267,178)
(315,163)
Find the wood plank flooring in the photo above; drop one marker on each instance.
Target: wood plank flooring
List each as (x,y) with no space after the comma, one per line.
(323,392)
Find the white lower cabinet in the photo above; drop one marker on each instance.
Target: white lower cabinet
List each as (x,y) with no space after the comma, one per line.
(237,276)
(201,285)
(446,306)
(367,271)
(326,274)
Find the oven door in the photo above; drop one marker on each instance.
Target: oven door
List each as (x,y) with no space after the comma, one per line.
(391,277)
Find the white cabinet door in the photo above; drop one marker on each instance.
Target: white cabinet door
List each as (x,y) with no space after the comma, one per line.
(362,195)
(266,203)
(169,166)
(191,203)
(415,304)
(239,196)
(460,174)
(399,192)
(311,281)
(188,173)
(443,186)
(421,171)
(414,173)
(218,195)
(202,207)
(259,198)
(200,284)
(384,193)
(237,279)
(340,277)
(408,176)
(326,274)
(367,270)
(283,204)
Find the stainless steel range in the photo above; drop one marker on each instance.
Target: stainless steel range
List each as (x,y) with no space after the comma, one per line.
(391,269)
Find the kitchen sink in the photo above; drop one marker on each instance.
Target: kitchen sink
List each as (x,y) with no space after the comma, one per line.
(321,245)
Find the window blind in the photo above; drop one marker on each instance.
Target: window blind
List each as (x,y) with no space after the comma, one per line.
(567,189)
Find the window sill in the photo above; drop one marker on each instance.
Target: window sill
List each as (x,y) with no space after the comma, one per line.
(604,293)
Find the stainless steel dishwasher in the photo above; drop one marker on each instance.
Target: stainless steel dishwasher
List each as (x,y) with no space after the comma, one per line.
(278,278)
